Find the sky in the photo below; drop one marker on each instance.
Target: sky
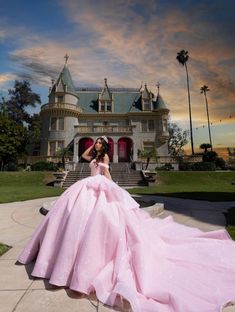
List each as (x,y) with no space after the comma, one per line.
(129,42)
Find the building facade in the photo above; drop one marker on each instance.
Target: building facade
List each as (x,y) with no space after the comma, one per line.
(132,119)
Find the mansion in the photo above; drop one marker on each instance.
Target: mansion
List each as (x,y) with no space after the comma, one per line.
(132,119)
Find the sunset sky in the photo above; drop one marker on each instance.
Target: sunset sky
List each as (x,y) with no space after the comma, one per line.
(129,42)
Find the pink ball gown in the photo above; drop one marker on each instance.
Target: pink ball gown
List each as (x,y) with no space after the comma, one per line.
(96,239)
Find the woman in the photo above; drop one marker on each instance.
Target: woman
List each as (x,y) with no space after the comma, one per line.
(96,239)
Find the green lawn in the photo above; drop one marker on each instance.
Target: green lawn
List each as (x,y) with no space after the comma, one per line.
(213,186)
(203,185)
(18,186)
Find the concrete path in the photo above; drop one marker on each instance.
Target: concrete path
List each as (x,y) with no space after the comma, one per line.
(21,293)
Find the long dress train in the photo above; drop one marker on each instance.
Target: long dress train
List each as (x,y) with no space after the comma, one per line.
(96,239)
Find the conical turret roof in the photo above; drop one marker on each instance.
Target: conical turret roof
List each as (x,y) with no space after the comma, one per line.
(66,79)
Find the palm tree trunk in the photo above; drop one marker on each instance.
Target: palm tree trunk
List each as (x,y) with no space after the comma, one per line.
(190,114)
(208,120)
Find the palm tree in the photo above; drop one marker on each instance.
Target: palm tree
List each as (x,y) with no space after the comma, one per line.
(64,153)
(204,90)
(182,58)
(148,154)
(205,146)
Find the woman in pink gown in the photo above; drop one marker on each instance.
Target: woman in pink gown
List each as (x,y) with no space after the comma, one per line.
(95,238)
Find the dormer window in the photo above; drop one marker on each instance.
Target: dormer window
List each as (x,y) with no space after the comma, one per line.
(146,105)
(109,106)
(105,106)
(105,99)
(102,106)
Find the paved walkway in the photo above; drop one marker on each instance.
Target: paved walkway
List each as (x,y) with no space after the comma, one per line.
(21,293)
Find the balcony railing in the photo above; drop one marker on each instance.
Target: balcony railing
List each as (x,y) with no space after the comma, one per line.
(64,106)
(103,129)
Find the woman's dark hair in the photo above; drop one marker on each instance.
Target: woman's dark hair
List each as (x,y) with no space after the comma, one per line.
(105,150)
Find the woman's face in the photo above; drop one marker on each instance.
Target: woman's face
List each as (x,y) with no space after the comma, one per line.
(98,145)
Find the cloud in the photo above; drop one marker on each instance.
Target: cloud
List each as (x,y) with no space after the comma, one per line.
(6,81)
(132,41)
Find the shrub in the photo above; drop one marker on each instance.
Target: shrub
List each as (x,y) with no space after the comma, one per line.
(220,163)
(166,167)
(44,166)
(199,166)
(210,156)
(184,166)
(11,166)
(203,166)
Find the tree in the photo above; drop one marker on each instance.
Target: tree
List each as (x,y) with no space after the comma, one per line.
(64,153)
(20,98)
(34,134)
(148,154)
(205,146)
(204,90)
(3,107)
(182,58)
(13,139)
(177,139)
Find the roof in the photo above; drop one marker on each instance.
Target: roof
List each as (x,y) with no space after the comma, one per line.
(159,103)
(124,102)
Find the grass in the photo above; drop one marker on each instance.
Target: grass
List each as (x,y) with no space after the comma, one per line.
(19,186)
(230,220)
(4,248)
(201,185)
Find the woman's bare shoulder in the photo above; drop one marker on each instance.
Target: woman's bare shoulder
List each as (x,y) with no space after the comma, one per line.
(106,159)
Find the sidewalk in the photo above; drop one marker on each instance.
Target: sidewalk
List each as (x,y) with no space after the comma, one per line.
(21,293)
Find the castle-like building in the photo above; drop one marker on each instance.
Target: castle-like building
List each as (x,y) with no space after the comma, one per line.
(132,119)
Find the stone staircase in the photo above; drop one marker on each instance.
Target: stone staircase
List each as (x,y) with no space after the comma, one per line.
(120,172)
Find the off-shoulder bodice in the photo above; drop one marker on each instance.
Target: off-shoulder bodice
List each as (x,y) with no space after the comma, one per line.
(97,168)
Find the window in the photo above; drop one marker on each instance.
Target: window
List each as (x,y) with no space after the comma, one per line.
(148,146)
(60,99)
(52,148)
(57,123)
(105,106)
(108,106)
(102,106)
(144,125)
(151,125)
(53,123)
(60,145)
(147,125)
(164,125)
(61,123)
(146,104)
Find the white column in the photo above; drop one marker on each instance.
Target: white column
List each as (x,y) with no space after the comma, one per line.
(134,152)
(75,148)
(115,152)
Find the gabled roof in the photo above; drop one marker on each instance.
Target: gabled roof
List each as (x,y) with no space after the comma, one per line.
(105,93)
(146,94)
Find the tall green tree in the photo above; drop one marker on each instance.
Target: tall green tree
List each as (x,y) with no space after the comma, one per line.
(34,134)
(20,98)
(204,90)
(178,138)
(13,140)
(182,58)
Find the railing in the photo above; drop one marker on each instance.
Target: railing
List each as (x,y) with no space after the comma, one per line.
(103,129)
(171,159)
(66,106)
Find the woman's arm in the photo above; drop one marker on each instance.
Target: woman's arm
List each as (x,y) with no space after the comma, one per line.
(106,170)
(86,155)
